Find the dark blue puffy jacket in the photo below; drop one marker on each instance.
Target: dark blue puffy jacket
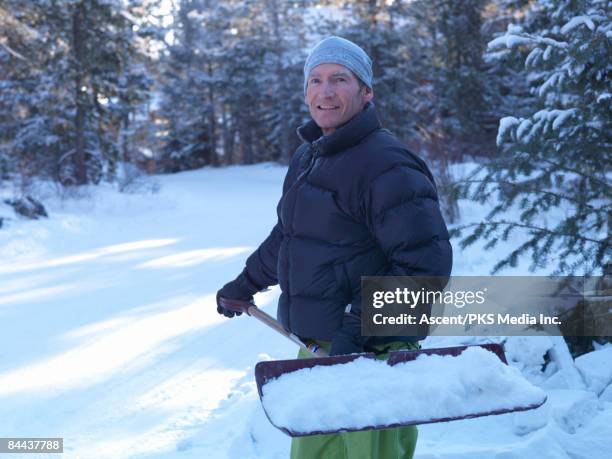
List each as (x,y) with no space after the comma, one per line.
(355,203)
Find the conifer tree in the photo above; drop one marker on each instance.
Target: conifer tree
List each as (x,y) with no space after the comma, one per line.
(379,28)
(553,165)
(74,87)
(189,83)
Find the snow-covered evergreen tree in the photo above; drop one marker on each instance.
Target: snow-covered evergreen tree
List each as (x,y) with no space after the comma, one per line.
(189,82)
(461,83)
(74,87)
(553,165)
(449,103)
(18,39)
(232,82)
(379,27)
(509,91)
(282,24)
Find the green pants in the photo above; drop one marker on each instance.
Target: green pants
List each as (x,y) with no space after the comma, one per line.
(398,443)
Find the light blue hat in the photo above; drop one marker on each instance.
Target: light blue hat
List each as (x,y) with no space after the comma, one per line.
(337,50)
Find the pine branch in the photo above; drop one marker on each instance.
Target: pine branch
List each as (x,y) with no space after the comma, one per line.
(536,190)
(531,227)
(579,172)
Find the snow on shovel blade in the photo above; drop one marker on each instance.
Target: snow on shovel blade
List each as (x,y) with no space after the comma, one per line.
(356,392)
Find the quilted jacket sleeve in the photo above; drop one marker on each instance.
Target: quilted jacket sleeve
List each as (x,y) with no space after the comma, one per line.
(403,214)
(261,265)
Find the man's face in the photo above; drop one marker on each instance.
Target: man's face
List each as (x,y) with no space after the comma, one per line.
(334,96)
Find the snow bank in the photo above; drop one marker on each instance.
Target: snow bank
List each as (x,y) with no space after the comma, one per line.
(525,422)
(606,395)
(369,392)
(596,369)
(526,353)
(572,410)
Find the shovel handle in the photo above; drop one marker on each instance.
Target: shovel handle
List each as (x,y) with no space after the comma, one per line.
(251,309)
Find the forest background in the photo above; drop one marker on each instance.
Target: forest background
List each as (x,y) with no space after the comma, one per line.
(111,90)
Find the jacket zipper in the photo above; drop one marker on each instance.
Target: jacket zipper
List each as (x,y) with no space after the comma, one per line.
(297,183)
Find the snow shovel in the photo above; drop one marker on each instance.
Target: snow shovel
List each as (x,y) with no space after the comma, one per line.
(270,371)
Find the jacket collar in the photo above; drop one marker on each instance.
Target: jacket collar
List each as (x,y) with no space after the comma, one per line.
(350,134)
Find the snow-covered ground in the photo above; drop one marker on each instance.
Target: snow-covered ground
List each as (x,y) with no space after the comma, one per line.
(109,335)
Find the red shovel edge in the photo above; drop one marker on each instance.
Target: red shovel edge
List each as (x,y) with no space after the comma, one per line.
(269,370)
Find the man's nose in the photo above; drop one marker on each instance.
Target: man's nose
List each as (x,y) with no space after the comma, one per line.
(328,90)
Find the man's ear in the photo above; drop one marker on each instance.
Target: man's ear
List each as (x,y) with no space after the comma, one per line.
(368,94)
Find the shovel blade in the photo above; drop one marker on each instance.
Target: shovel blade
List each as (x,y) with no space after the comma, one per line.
(267,371)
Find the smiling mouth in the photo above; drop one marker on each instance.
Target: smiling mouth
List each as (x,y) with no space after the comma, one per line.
(327,107)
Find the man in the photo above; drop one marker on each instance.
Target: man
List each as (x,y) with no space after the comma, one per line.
(355,203)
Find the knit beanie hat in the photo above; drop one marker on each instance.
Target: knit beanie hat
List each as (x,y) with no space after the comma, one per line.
(336,50)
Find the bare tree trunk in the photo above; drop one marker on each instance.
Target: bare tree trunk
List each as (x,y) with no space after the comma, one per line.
(246,141)
(212,122)
(78,48)
(281,75)
(231,138)
(227,150)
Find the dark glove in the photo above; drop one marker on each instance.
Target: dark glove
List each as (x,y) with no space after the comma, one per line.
(241,288)
(348,339)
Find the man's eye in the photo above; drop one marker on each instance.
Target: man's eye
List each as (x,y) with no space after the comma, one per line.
(315,80)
